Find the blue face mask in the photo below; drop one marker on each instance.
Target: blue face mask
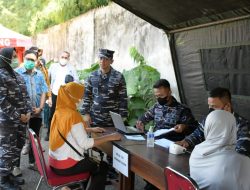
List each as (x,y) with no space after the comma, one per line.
(29,65)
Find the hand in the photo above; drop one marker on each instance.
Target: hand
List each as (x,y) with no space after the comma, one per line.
(28,117)
(140,125)
(97,130)
(36,111)
(50,102)
(23,118)
(180,128)
(87,119)
(183,143)
(115,136)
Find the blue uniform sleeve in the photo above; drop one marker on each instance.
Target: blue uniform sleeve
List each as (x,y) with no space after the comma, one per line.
(85,109)
(243,136)
(6,106)
(148,116)
(188,119)
(197,136)
(123,98)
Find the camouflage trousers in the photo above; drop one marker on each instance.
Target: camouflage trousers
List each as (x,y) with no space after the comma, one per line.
(11,143)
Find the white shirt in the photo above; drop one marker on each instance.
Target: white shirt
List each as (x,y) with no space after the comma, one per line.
(78,138)
(58,74)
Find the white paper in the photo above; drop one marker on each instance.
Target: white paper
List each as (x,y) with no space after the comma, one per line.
(135,137)
(164,142)
(162,131)
(120,160)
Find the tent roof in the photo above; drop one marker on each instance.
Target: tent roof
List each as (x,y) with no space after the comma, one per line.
(172,15)
(11,38)
(7,33)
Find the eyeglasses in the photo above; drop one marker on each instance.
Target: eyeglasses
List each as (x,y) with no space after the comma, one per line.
(30,59)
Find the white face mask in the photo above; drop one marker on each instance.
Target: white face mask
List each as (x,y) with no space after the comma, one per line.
(63,61)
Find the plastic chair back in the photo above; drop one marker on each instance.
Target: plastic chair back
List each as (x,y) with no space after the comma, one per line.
(178,181)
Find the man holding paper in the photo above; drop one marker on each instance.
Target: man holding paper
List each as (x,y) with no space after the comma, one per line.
(167,113)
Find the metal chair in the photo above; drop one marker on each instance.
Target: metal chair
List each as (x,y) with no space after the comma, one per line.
(53,180)
(178,181)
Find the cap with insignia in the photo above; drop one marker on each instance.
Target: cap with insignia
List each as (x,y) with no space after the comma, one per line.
(106,53)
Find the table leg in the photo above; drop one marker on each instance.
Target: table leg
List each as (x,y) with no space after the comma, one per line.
(127,183)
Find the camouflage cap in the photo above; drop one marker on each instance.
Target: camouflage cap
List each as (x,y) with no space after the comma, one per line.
(106,53)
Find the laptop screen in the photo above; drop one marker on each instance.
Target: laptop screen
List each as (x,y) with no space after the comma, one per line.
(118,122)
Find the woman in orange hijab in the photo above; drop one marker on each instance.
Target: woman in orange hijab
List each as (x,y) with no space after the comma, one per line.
(68,121)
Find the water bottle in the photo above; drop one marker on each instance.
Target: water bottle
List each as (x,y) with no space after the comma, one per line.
(150,137)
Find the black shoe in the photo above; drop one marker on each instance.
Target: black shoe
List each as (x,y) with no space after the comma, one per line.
(16,180)
(112,174)
(108,182)
(6,184)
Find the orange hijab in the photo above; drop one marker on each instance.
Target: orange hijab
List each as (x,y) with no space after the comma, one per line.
(66,113)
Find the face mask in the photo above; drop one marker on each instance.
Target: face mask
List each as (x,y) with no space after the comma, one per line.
(162,101)
(29,65)
(14,63)
(63,61)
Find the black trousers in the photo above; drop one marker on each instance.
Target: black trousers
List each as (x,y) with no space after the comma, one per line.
(98,174)
(35,124)
(52,111)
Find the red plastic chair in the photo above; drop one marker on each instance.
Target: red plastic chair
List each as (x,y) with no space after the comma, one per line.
(53,180)
(178,181)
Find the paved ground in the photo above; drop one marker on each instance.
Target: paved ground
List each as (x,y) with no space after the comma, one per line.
(32,177)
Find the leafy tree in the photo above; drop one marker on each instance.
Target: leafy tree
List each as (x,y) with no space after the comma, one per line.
(31,16)
(84,74)
(140,81)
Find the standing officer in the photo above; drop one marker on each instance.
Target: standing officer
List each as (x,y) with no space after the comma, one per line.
(105,91)
(15,109)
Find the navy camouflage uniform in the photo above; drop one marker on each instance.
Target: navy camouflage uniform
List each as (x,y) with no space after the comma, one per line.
(168,116)
(243,135)
(14,101)
(104,93)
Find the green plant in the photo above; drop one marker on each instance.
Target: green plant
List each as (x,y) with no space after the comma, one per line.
(41,14)
(140,81)
(49,63)
(83,74)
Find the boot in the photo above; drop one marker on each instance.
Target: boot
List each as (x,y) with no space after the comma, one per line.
(5,184)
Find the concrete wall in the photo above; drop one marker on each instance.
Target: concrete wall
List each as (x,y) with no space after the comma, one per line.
(114,28)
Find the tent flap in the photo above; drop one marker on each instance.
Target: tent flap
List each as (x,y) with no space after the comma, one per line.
(12,38)
(215,56)
(178,14)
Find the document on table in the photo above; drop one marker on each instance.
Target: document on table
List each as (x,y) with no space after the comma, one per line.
(164,142)
(135,137)
(162,131)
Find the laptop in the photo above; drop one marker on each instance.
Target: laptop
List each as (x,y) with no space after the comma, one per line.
(120,127)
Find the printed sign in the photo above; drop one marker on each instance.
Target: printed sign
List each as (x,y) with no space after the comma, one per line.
(5,42)
(121,160)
